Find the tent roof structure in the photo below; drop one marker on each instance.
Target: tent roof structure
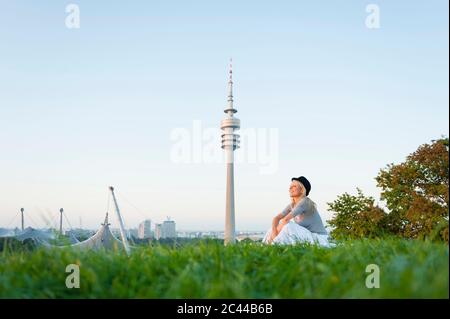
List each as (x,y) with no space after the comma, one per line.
(102,239)
(6,232)
(35,234)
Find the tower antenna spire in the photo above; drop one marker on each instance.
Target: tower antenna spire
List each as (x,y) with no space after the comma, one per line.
(231,69)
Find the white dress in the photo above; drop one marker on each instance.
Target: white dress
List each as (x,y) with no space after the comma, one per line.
(293,233)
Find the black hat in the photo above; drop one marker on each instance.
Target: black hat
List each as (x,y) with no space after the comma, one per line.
(304,181)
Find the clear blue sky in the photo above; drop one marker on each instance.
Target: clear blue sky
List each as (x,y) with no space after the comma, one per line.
(81,109)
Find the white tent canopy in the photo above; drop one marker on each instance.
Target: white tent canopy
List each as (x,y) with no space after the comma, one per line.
(102,239)
(6,232)
(35,234)
(73,239)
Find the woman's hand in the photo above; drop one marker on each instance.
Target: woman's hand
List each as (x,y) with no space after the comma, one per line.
(274,229)
(280,226)
(277,225)
(284,221)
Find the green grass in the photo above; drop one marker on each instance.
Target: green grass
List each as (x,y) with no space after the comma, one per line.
(408,269)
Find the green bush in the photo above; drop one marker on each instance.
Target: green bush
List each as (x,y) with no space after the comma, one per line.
(416,193)
(356,217)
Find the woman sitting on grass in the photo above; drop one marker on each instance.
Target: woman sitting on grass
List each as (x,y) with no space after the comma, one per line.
(299,221)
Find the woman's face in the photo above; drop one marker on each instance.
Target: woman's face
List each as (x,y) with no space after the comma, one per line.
(295,189)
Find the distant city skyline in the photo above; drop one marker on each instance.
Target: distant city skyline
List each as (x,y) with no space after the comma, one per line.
(108,103)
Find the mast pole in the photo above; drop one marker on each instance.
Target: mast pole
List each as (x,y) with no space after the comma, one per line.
(60,220)
(122,228)
(23,222)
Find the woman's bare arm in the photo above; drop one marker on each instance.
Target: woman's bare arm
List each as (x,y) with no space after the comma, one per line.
(278,223)
(284,221)
(275,222)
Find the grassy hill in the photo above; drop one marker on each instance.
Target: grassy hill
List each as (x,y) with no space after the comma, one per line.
(408,269)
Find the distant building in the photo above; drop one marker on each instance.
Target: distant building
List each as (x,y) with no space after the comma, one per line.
(168,229)
(145,229)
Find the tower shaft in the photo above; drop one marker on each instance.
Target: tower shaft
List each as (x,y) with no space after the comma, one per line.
(230,231)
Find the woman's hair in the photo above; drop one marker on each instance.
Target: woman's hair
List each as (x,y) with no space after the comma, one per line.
(303,189)
(310,206)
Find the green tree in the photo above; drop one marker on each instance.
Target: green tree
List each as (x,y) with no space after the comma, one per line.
(417,192)
(356,217)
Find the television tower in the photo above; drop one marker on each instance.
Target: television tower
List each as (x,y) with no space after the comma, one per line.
(230,142)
